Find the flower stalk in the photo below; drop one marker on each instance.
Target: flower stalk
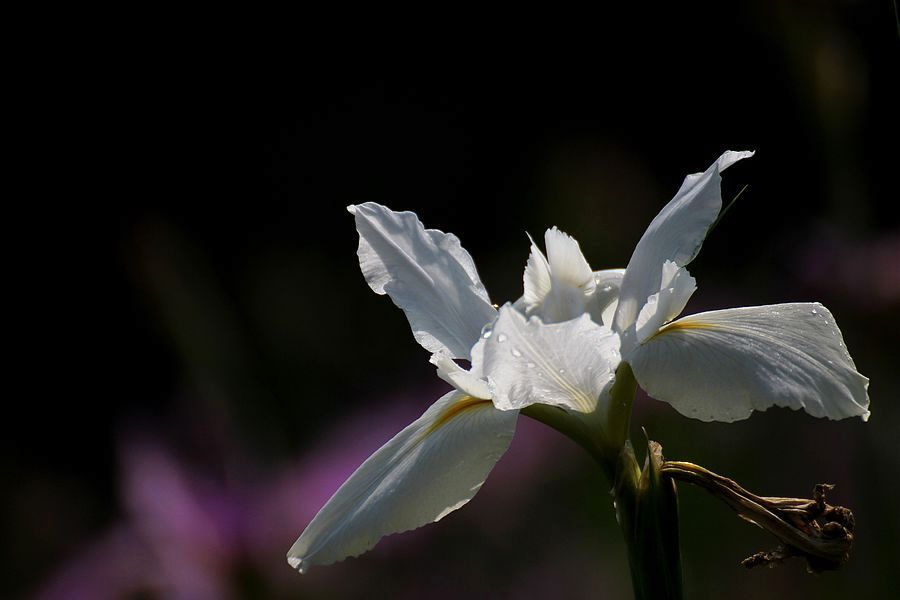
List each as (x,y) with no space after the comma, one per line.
(645,501)
(647,510)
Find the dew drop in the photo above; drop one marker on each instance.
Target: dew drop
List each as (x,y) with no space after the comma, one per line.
(562,371)
(487,330)
(531,365)
(516,353)
(815,312)
(501,338)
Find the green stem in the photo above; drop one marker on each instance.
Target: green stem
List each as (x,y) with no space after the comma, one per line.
(647,510)
(645,501)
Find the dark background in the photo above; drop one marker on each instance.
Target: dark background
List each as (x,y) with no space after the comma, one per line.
(204,363)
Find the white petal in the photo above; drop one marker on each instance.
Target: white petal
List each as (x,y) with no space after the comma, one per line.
(602,305)
(724,364)
(677,286)
(536,280)
(609,313)
(468,382)
(560,287)
(675,234)
(426,273)
(431,468)
(567,263)
(566,364)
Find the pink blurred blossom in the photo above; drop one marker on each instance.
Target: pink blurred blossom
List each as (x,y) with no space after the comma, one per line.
(187,531)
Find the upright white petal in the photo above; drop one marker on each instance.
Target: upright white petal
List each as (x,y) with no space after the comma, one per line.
(567,263)
(426,273)
(431,468)
(724,364)
(572,280)
(675,234)
(536,279)
(601,305)
(569,364)
(676,289)
(560,286)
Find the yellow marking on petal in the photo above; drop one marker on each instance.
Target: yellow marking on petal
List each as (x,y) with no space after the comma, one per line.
(457,408)
(685,325)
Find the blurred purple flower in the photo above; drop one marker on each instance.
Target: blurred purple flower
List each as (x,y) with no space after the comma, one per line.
(186,531)
(173,541)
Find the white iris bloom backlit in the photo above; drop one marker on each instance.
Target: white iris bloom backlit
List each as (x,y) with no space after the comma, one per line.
(560,344)
(714,366)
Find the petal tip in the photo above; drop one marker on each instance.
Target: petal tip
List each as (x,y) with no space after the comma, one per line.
(729,157)
(297,564)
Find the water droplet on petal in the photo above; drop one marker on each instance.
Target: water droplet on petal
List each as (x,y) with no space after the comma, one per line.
(815,312)
(516,353)
(562,371)
(501,338)
(531,365)
(487,330)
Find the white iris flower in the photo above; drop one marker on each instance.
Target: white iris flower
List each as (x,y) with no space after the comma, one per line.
(714,366)
(560,345)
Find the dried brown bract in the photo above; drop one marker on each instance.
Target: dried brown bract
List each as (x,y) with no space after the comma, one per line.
(812,529)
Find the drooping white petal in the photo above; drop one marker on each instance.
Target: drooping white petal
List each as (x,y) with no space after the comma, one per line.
(724,364)
(569,364)
(468,382)
(431,468)
(426,273)
(675,234)
(676,289)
